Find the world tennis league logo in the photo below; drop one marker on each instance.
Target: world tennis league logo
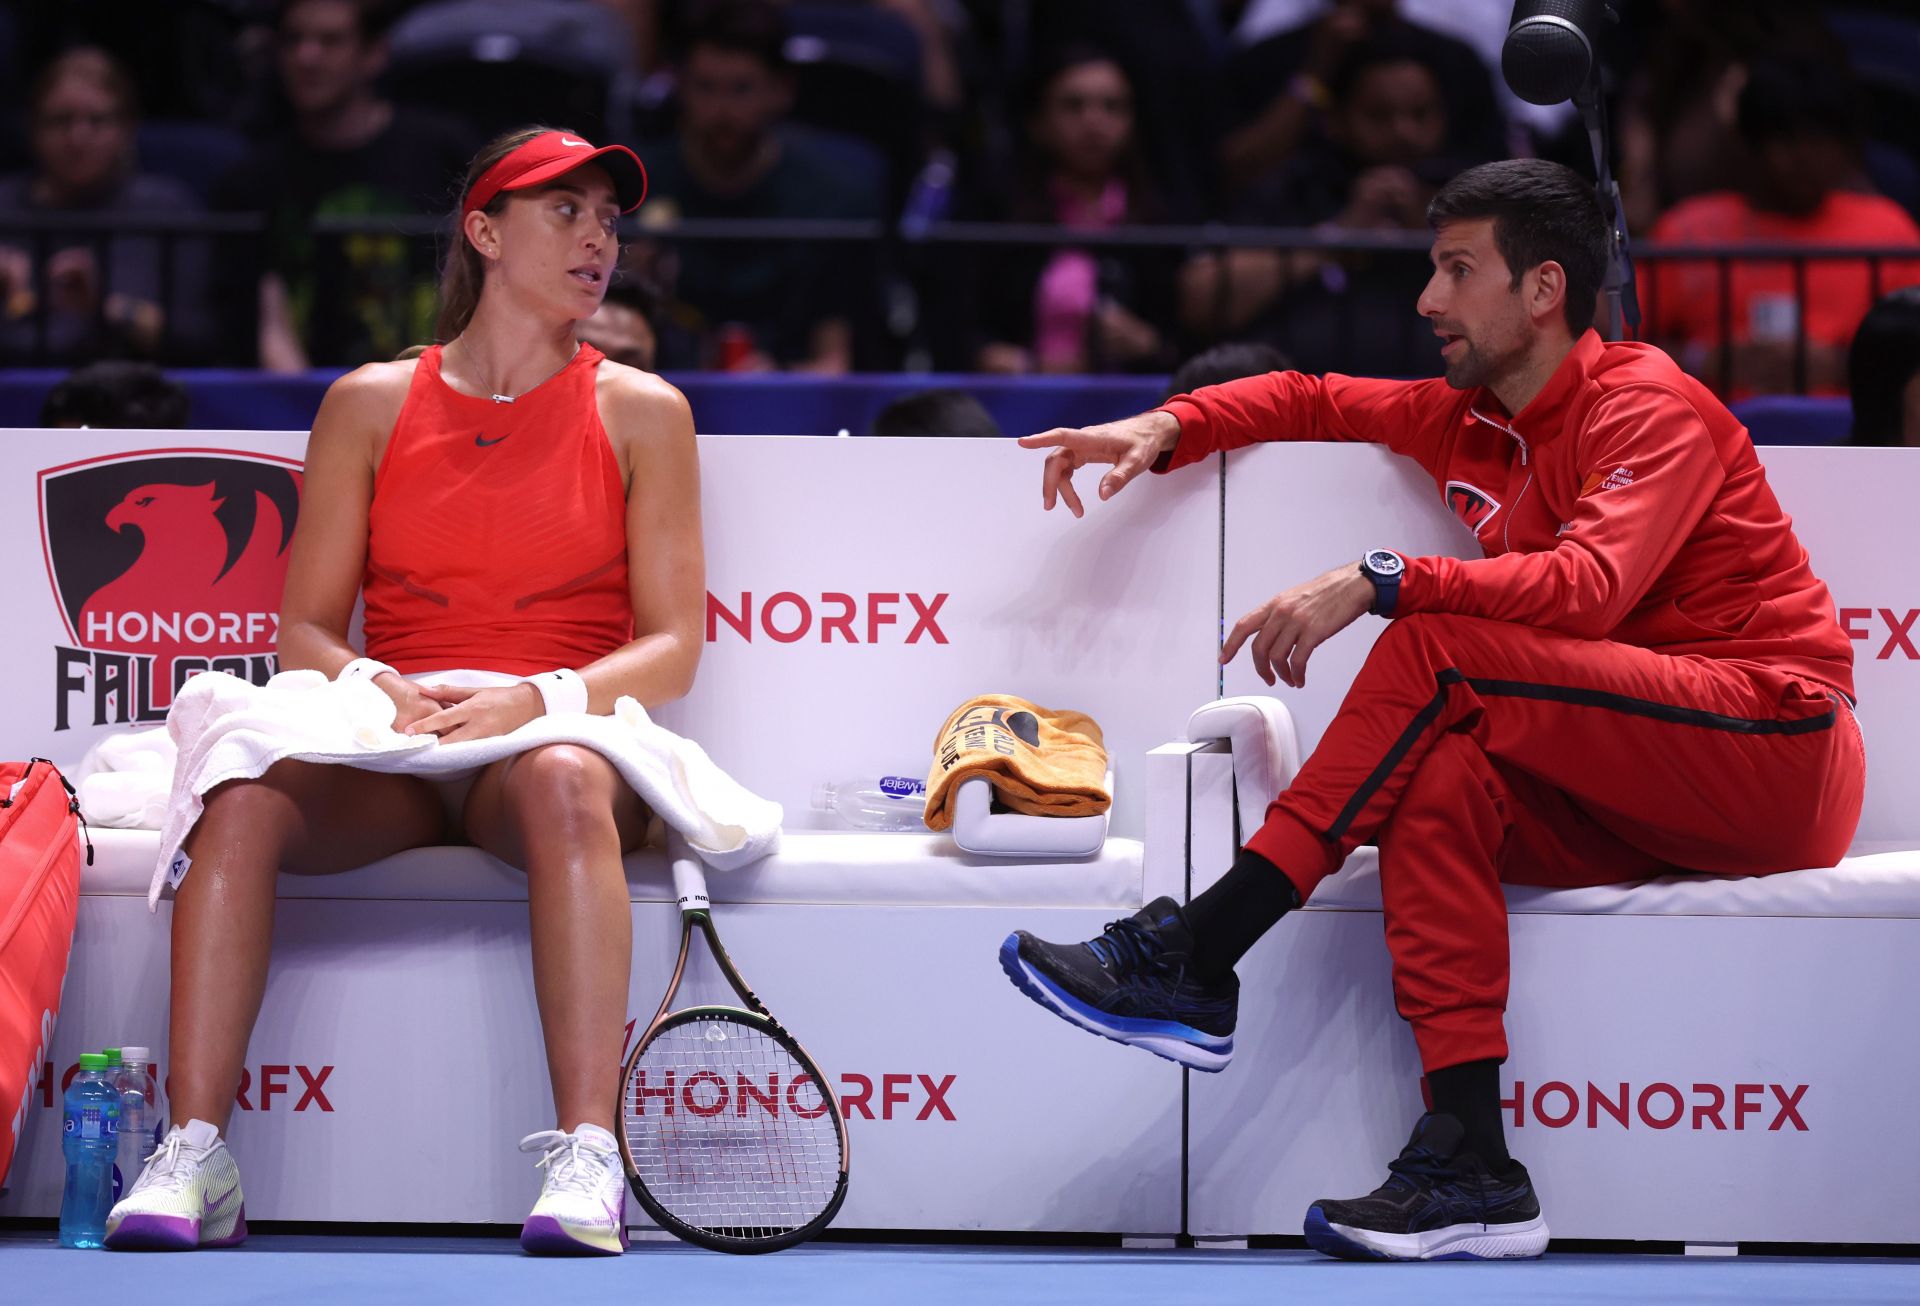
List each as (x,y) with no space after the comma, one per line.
(163,563)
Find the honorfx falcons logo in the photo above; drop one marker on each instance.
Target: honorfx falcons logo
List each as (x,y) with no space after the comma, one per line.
(788,618)
(1738,1107)
(164,563)
(1901,639)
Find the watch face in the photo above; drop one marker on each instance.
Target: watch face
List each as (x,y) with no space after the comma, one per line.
(1385,563)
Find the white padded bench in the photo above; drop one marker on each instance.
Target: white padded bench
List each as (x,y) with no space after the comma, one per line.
(400,1016)
(876,948)
(1708,1060)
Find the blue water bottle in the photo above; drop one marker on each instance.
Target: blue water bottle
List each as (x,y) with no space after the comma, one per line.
(91,1137)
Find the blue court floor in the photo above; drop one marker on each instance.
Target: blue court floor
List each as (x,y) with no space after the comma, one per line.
(290,1268)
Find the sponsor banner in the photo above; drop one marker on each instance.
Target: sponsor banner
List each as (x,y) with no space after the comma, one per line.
(854,600)
(1853,509)
(884,589)
(1849,509)
(137,560)
(140,560)
(1557,1104)
(1295,511)
(858,591)
(163,563)
(967,1108)
(1670,1078)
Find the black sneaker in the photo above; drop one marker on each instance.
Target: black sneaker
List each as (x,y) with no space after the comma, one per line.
(1438,1204)
(1131,984)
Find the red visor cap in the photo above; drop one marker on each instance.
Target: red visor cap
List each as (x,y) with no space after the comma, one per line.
(554,154)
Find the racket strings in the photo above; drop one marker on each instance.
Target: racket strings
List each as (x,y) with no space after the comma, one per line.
(728,1130)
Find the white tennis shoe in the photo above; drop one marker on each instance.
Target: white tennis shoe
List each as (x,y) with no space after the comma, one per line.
(187,1196)
(582,1209)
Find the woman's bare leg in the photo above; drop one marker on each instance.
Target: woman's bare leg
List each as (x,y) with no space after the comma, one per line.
(565,816)
(299,816)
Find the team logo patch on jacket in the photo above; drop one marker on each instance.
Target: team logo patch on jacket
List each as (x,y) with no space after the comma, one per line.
(1471,504)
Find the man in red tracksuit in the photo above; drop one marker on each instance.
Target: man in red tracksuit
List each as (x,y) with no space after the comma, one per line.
(1642,675)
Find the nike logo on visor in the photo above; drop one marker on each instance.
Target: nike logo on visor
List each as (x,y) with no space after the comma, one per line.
(483,442)
(571,143)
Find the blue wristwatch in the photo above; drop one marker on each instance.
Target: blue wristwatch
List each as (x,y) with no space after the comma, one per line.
(1384,568)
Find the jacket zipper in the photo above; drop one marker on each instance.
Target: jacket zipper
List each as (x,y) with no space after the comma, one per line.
(1506,539)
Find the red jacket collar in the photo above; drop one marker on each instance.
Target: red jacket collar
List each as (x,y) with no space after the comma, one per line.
(1546,414)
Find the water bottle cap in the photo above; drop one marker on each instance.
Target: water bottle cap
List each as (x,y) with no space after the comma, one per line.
(112,1055)
(93,1061)
(823,797)
(135,1056)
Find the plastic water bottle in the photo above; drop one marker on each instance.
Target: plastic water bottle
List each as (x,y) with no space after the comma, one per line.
(892,802)
(91,1134)
(113,1071)
(139,1121)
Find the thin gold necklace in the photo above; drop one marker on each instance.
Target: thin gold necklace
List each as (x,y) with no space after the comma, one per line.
(507,399)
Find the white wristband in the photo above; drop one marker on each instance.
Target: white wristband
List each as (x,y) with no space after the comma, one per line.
(362,669)
(561,691)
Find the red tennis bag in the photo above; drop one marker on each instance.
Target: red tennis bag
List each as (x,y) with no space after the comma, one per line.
(39,898)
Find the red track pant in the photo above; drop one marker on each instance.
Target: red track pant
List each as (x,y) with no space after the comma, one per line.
(1475,752)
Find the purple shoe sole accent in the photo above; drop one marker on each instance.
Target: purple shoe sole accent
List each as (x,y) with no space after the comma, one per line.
(170,1233)
(542,1235)
(155,1233)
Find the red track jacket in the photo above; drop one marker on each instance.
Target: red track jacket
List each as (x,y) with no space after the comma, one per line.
(1624,503)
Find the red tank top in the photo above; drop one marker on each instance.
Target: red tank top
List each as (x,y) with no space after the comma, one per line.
(497,539)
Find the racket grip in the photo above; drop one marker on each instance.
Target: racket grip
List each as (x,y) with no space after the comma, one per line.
(689,879)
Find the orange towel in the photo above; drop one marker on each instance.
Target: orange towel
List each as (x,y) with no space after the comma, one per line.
(1042,763)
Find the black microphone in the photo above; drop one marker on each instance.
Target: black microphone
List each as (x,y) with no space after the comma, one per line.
(1549,54)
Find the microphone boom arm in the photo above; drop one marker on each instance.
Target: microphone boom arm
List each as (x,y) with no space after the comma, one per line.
(1623,303)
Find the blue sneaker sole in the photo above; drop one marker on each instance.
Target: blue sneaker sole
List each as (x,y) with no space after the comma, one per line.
(1170,1039)
(1325,1239)
(1501,1243)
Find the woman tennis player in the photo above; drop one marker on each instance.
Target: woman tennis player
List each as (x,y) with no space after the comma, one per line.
(522,518)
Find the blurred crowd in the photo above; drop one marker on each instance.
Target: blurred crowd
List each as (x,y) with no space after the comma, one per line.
(266,182)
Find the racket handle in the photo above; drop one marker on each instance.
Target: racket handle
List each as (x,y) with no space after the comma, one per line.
(689,878)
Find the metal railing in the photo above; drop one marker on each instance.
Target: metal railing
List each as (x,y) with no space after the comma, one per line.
(1727,259)
(231,249)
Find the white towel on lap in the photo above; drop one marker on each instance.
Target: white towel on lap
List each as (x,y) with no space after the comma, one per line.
(227,729)
(124,780)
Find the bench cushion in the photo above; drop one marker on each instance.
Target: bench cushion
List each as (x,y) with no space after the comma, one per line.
(811,867)
(1877,881)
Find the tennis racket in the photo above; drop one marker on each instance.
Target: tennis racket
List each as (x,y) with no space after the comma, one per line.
(731,1136)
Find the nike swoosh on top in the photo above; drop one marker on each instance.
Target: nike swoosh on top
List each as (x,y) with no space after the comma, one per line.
(572,143)
(483,442)
(209,1207)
